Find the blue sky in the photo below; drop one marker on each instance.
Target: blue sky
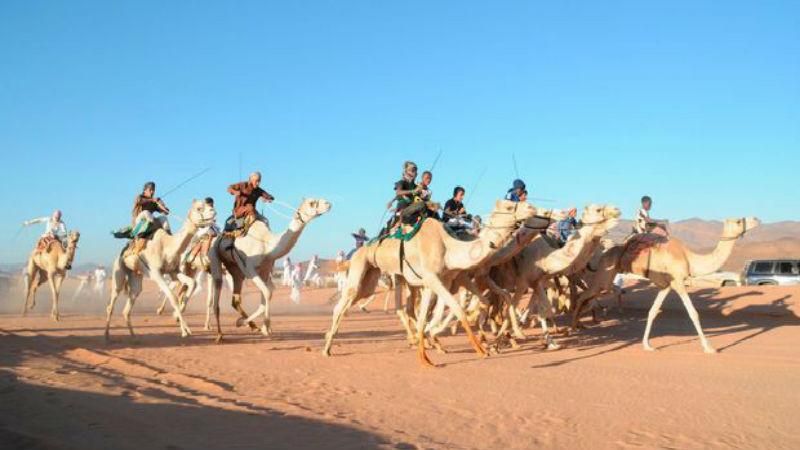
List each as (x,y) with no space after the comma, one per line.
(695,103)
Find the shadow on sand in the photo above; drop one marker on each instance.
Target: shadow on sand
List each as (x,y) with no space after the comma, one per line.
(145,412)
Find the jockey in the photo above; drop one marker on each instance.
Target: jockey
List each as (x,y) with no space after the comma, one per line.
(201,241)
(54,227)
(145,205)
(361,239)
(566,228)
(247,193)
(455,214)
(517,190)
(645,224)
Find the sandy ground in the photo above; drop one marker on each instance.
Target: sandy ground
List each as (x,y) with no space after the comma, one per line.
(62,386)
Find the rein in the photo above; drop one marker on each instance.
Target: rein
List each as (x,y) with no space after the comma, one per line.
(740,235)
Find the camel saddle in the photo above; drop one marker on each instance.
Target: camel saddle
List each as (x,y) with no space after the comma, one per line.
(638,245)
(45,243)
(134,247)
(236,228)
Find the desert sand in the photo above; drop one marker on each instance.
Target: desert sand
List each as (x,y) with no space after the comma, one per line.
(62,386)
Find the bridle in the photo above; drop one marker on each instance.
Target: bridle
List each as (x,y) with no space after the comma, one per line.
(740,235)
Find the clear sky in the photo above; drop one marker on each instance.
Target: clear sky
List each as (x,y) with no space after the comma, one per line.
(695,103)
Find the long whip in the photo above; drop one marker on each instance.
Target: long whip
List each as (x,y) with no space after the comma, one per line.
(183,183)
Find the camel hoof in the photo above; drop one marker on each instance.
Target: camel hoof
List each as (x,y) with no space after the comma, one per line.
(553,346)
(710,350)
(266,331)
(648,348)
(423,359)
(159,311)
(218,339)
(239,322)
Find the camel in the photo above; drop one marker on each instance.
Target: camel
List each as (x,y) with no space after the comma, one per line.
(667,263)
(49,265)
(198,268)
(161,256)
(430,260)
(479,281)
(252,256)
(540,260)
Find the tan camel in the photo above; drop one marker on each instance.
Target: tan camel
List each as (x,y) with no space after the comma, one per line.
(540,260)
(479,281)
(161,256)
(195,270)
(668,264)
(49,265)
(253,257)
(430,260)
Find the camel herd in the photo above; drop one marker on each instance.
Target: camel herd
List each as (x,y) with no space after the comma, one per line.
(440,281)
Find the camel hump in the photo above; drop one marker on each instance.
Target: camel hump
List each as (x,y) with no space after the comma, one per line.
(46,244)
(638,245)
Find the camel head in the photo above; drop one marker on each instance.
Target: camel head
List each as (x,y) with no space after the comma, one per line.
(545,217)
(508,214)
(604,217)
(311,208)
(73,238)
(736,228)
(199,214)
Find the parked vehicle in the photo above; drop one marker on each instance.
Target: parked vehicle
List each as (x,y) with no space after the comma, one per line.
(772,272)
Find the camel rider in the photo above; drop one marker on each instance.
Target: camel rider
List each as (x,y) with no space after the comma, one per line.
(201,241)
(455,214)
(517,190)
(54,229)
(413,200)
(247,194)
(361,239)
(143,219)
(566,228)
(645,224)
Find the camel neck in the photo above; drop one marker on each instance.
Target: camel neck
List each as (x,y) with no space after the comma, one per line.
(287,240)
(705,264)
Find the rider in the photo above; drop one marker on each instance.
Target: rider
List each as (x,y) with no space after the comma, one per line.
(517,190)
(54,228)
(455,214)
(144,206)
(201,241)
(361,239)
(567,227)
(247,194)
(645,224)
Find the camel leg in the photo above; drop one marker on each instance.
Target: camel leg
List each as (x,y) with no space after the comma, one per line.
(134,290)
(188,287)
(545,311)
(209,301)
(163,304)
(687,303)
(31,285)
(651,316)
(55,289)
(580,305)
(158,278)
(118,283)
(443,294)
(266,288)
(421,319)
(352,289)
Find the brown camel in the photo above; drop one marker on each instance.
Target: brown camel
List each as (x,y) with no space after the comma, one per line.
(668,264)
